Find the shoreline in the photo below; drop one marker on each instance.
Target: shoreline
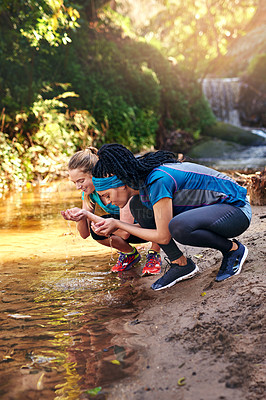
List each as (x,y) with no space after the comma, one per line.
(199,339)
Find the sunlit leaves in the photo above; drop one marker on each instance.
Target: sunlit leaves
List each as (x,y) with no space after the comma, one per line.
(201,30)
(54,137)
(47,20)
(112,20)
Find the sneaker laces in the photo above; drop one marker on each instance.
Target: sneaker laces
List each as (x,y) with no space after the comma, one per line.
(150,257)
(121,257)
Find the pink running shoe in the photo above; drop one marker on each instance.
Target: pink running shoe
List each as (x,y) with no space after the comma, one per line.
(126,261)
(153,263)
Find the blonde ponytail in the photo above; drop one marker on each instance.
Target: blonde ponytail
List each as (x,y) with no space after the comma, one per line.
(84,160)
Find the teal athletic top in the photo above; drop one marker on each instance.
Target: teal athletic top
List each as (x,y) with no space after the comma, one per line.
(190,186)
(109,208)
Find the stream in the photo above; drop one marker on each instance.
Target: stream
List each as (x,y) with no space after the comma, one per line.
(57,297)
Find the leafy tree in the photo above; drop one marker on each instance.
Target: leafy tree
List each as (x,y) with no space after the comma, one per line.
(63,88)
(26,29)
(199,31)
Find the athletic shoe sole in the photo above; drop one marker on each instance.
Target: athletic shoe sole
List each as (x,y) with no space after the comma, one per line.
(242,261)
(182,278)
(150,273)
(240,266)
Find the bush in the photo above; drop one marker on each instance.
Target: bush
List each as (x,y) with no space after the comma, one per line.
(13,171)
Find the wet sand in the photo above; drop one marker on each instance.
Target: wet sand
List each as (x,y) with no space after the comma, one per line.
(199,339)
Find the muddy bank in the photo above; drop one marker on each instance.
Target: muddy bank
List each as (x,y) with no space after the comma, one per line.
(199,339)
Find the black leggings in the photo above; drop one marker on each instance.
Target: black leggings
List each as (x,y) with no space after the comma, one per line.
(208,226)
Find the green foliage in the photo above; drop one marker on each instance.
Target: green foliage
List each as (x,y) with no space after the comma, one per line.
(131,126)
(101,87)
(12,170)
(29,33)
(130,86)
(58,133)
(47,20)
(54,131)
(54,138)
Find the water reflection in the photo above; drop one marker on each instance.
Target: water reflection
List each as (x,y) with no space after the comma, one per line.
(57,297)
(37,207)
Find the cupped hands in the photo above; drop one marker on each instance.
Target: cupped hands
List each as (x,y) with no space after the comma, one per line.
(75,214)
(105,227)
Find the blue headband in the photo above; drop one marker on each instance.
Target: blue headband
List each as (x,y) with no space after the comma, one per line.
(106,183)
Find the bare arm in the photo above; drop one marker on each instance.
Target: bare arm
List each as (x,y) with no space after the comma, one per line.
(163,213)
(84,218)
(78,214)
(83,223)
(125,216)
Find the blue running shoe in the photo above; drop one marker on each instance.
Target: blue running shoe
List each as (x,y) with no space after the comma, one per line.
(175,274)
(232,262)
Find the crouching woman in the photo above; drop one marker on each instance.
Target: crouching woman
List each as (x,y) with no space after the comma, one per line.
(193,204)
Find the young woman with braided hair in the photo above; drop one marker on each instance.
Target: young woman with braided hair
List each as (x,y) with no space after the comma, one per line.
(191,203)
(80,168)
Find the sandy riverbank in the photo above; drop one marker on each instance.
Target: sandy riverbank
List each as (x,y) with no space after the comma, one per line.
(200,339)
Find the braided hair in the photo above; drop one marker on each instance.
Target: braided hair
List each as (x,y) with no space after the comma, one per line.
(116,159)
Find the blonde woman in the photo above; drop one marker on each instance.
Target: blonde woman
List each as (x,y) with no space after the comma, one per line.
(80,169)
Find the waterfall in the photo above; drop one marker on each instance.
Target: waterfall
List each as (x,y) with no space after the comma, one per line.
(223,96)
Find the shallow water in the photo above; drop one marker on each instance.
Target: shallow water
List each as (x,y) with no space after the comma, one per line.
(57,295)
